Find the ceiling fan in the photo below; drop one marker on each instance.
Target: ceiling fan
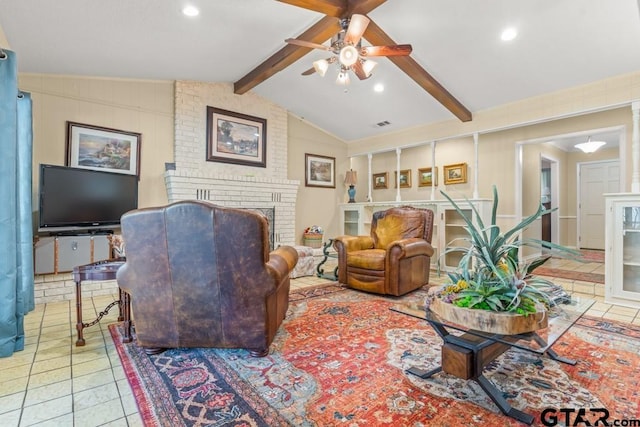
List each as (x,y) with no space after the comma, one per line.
(348,52)
(336,11)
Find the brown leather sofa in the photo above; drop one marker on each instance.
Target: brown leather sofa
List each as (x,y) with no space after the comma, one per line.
(201,275)
(395,259)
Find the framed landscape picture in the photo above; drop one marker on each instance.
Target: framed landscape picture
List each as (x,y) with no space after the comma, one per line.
(427,177)
(236,138)
(380,180)
(455,174)
(103,149)
(319,171)
(405,178)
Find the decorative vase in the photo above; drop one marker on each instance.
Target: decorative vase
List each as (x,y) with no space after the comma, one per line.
(352,194)
(503,323)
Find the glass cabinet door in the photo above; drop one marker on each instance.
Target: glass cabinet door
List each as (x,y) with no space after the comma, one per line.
(631,249)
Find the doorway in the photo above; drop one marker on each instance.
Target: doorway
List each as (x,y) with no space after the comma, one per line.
(595,179)
(556,153)
(549,196)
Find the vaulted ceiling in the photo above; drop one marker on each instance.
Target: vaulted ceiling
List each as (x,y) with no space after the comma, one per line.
(560,44)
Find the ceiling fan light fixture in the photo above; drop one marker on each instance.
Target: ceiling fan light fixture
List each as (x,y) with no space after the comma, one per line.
(343,78)
(321,66)
(368,66)
(348,55)
(590,146)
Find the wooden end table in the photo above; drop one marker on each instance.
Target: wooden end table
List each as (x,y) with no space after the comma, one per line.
(101,270)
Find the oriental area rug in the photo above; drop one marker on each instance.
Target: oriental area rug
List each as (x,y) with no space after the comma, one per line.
(339,359)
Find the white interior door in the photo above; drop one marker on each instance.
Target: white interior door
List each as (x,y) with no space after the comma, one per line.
(596,179)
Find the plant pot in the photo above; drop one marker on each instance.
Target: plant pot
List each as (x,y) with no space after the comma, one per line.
(503,323)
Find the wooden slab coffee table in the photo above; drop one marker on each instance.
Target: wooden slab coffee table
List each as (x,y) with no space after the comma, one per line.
(466,355)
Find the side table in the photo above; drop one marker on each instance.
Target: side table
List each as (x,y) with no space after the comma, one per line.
(320,269)
(102,270)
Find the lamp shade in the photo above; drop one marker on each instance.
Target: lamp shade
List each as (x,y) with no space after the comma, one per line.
(321,66)
(351,178)
(590,146)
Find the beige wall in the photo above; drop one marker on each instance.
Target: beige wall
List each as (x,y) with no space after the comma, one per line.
(148,107)
(131,105)
(316,206)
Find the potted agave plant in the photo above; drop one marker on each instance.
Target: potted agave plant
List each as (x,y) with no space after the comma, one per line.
(492,289)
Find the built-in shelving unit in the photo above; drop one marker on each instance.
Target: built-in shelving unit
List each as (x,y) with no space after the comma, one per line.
(622,249)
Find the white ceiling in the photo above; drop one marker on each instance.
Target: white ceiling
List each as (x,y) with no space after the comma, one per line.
(561,43)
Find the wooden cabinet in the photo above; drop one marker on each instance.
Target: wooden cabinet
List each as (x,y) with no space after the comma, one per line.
(622,249)
(58,254)
(448,226)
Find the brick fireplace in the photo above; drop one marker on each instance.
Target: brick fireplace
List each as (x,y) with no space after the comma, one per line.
(191,177)
(241,192)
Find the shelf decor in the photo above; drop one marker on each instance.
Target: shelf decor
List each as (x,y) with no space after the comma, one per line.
(427,177)
(103,149)
(380,180)
(405,178)
(236,138)
(455,174)
(490,277)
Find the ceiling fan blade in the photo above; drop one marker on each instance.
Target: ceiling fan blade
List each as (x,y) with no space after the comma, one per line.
(305,43)
(357,26)
(359,71)
(319,32)
(394,50)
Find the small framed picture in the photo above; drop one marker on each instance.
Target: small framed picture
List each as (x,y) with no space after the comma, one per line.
(319,171)
(405,178)
(455,174)
(380,180)
(103,149)
(427,177)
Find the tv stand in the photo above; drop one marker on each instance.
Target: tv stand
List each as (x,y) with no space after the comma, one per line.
(97,232)
(61,252)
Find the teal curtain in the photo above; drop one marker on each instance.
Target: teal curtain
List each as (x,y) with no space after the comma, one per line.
(16,232)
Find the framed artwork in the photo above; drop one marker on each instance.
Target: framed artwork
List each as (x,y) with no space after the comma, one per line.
(405,178)
(455,174)
(103,149)
(319,171)
(236,138)
(380,180)
(427,177)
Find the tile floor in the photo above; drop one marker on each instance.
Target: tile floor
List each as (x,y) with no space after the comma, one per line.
(54,383)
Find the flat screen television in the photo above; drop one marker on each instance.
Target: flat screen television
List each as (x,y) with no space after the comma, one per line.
(76,200)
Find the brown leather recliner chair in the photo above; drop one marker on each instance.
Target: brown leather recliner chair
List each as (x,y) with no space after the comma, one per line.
(395,259)
(201,275)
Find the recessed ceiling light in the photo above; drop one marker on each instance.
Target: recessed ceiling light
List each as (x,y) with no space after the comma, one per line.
(379,87)
(191,11)
(509,34)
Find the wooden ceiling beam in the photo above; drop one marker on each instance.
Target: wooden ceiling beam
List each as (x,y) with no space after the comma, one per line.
(320,32)
(337,8)
(362,7)
(376,36)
